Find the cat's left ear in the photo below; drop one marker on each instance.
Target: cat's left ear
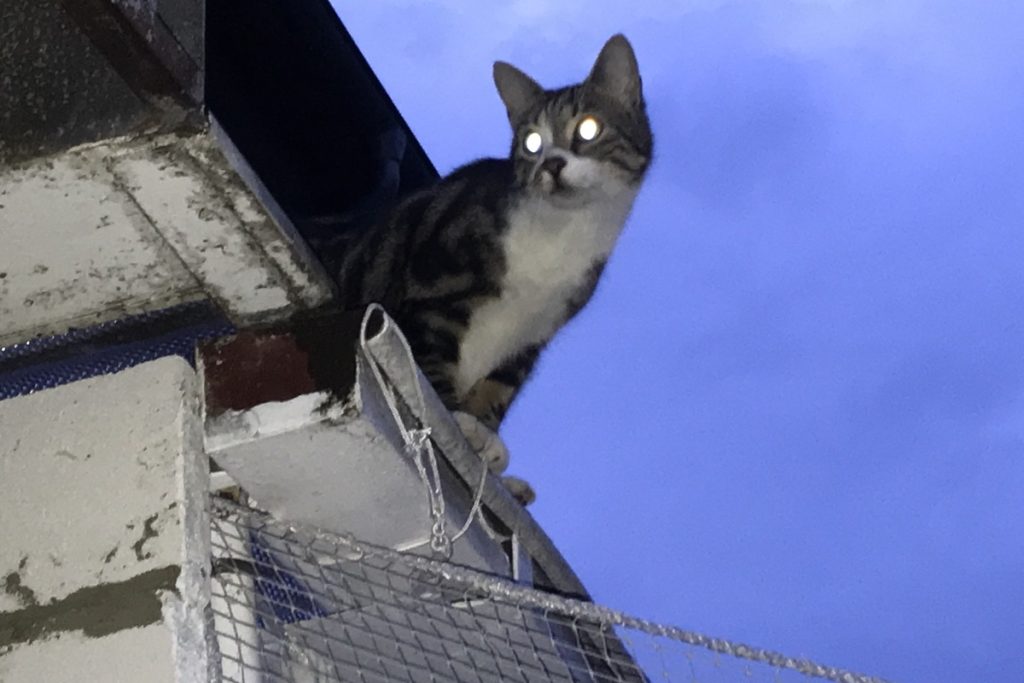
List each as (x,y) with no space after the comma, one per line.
(616,72)
(518,91)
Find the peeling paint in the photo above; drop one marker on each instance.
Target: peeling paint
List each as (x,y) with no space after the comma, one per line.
(148,532)
(14,587)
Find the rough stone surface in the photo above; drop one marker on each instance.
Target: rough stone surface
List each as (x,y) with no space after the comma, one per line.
(56,89)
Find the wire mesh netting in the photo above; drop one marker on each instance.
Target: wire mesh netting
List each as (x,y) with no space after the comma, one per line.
(297,604)
(108,347)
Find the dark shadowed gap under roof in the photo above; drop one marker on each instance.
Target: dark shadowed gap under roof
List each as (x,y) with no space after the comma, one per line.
(294,93)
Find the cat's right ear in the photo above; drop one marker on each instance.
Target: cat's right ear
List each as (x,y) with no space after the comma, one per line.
(518,91)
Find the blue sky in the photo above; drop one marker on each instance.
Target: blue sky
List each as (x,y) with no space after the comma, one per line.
(794,413)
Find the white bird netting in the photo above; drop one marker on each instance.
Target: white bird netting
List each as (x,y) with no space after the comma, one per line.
(299,605)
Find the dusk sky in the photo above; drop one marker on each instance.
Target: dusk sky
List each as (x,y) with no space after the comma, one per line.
(793,414)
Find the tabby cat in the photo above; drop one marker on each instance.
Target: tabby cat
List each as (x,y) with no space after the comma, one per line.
(481,270)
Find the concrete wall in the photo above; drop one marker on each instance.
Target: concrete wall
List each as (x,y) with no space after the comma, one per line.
(104,536)
(129,226)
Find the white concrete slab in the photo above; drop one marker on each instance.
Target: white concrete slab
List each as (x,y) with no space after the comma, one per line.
(202,227)
(90,478)
(75,249)
(341,467)
(133,225)
(104,521)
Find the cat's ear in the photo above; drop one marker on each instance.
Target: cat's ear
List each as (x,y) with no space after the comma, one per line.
(616,72)
(518,91)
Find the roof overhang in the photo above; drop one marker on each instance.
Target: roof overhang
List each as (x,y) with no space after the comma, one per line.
(167,151)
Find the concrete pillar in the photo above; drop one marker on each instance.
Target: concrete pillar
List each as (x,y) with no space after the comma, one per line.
(104,533)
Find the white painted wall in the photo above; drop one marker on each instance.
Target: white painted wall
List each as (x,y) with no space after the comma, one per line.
(138,655)
(103,484)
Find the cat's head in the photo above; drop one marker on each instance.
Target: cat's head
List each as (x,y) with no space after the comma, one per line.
(582,141)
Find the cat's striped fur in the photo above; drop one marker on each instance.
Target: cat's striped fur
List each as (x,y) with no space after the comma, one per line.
(481,270)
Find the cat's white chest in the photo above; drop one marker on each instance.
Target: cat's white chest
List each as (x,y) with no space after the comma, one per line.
(549,252)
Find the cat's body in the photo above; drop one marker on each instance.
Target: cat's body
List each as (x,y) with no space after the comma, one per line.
(481,270)
(553,257)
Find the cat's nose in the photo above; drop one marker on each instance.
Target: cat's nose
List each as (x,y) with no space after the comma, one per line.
(553,165)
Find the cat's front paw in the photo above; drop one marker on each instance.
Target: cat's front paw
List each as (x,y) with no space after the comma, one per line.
(484,441)
(520,490)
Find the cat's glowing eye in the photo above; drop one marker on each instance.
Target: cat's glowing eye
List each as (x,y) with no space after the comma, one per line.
(588,128)
(533,142)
